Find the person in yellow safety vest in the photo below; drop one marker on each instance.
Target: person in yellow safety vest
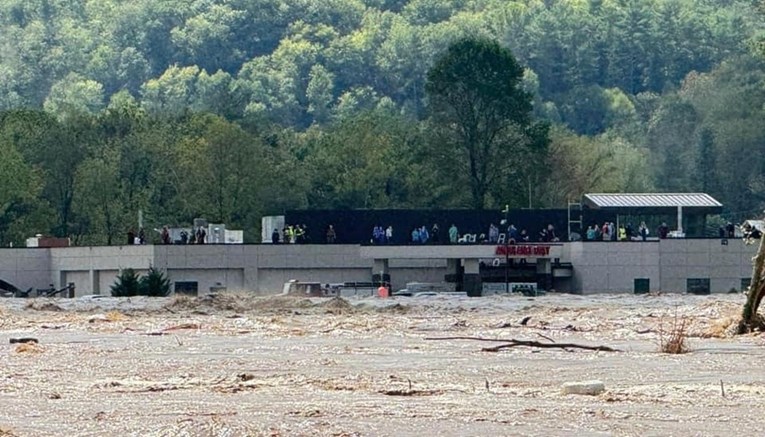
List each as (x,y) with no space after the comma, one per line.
(622,233)
(299,233)
(291,233)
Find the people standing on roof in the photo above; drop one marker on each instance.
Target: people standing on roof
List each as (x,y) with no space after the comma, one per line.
(524,237)
(622,233)
(424,236)
(165,235)
(389,234)
(275,236)
(551,236)
(731,230)
(643,230)
(378,234)
(416,235)
(493,234)
(663,231)
(434,234)
(292,234)
(605,232)
(591,233)
(299,234)
(751,231)
(512,234)
(331,234)
(454,234)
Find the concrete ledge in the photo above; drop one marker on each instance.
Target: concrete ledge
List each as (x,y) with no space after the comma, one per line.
(455,251)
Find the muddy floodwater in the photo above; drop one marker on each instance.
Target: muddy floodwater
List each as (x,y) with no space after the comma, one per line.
(234,365)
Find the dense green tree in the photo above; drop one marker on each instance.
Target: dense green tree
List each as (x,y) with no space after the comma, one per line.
(19,187)
(606,163)
(213,93)
(171,93)
(365,161)
(54,150)
(477,103)
(154,283)
(232,109)
(209,40)
(671,136)
(319,93)
(74,95)
(706,162)
(98,197)
(128,284)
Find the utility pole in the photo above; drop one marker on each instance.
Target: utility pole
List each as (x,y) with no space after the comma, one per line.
(507,256)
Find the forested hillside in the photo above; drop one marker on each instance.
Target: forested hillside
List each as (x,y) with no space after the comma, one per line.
(231,109)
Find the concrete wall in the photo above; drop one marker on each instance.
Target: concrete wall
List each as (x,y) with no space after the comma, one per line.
(26,268)
(94,269)
(614,266)
(668,264)
(105,279)
(599,267)
(261,268)
(724,264)
(403,271)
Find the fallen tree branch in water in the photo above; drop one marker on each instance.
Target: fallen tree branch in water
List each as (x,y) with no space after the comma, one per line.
(512,342)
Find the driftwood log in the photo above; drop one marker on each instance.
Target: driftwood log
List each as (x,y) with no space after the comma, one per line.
(512,342)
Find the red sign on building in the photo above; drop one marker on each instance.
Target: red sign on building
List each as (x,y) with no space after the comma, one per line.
(523,250)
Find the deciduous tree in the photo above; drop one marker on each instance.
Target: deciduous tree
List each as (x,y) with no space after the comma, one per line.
(482,116)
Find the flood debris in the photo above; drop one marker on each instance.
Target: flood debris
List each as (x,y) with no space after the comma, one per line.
(410,392)
(6,432)
(43,305)
(673,338)
(29,348)
(512,342)
(338,306)
(183,326)
(98,318)
(23,340)
(588,388)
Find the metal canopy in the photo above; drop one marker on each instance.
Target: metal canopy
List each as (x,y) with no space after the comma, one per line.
(655,204)
(688,201)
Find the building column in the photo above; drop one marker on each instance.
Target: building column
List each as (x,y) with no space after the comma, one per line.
(452,267)
(680,219)
(381,272)
(95,282)
(471,278)
(544,273)
(250,277)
